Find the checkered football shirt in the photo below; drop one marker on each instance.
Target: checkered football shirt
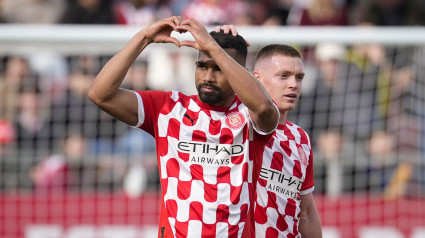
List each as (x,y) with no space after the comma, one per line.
(285,174)
(205,163)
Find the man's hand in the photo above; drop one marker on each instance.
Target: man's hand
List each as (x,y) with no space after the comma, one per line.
(160,31)
(203,40)
(229,29)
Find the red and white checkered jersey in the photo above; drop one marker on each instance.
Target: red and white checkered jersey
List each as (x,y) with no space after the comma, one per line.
(205,163)
(286,173)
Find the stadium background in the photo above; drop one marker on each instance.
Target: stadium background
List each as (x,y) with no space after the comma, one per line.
(69,170)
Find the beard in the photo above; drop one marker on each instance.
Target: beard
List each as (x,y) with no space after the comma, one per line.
(210,98)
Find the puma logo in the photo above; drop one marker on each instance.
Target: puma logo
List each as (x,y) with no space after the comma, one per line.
(270,142)
(191,120)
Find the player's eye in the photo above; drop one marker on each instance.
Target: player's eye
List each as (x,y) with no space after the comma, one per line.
(200,64)
(283,76)
(216,68)
(300,77)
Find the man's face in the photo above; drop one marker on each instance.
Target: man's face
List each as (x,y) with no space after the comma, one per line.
(212,86)
(282,77)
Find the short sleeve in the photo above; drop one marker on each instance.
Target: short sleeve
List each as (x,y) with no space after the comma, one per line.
(149,107)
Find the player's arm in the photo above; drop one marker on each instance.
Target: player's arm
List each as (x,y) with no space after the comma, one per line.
(105,90)
(262,109)
(310,224)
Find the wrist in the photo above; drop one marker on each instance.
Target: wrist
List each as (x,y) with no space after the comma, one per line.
(215,49)
(142,39)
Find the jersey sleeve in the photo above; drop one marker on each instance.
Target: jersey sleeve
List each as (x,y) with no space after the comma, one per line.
(149,107)
(254,126)
(308,185)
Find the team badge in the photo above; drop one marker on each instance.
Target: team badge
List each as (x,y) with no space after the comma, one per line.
(303,157)
(235,120)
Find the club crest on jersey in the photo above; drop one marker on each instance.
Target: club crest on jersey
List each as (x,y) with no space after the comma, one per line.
(303,156)
(235,120)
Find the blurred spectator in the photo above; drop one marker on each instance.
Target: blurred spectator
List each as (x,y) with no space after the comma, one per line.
(31,11)
(216,12)
(16,72)
(75,113)
(326,82)
(52,69)
(344,109)
(87,63)
(88,12)
(359,116)
(136,145)
(404,122)
(34,137)
(139,148)
(398,103)
(177,6)
(81,164)
(7,136)
(323,13)
(391,12)
(382,161)
(7,133)
(72,168)
(366,65)
(397,163)
(74,109)
(248,19)
(52,174)
(277,12)
(137,76)
(316,101)
(318,13)
(403,119)
(141,12)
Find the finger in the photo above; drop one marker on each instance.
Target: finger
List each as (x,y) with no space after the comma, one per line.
(188,44)
(183,28)
(217,29)
(188,21)
(173,41)
(190,25)
(247,43)
(232,29)
(226,29)
(175,21)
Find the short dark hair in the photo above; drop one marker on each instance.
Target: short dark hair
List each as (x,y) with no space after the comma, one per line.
(228,41)
(277,49)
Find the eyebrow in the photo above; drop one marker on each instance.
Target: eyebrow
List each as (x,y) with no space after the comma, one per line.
(291,72)
(208,63)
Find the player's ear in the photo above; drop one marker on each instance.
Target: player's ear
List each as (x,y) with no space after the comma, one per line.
(257,75)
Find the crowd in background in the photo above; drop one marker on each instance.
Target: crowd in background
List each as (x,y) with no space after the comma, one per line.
(237,12)
(361,104)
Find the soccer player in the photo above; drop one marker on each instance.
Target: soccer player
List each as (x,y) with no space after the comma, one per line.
(204,158)
(284,205)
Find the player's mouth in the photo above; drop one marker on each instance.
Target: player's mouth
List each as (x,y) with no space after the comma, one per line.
(208,87)
(291,96)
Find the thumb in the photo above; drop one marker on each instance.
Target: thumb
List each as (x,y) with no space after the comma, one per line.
(188,43)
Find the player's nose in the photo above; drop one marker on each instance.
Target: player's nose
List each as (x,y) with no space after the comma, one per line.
(209,75)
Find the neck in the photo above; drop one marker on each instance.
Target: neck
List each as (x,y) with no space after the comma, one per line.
(282,119)
(227,102)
